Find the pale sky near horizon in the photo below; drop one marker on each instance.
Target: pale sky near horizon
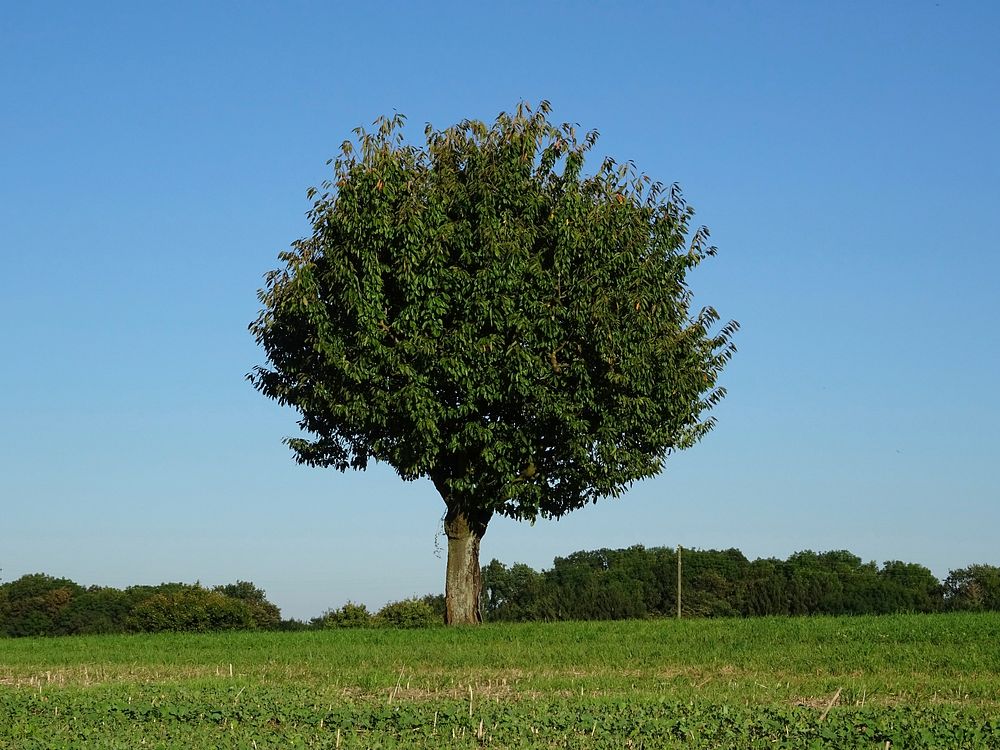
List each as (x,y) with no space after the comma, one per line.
(154,160)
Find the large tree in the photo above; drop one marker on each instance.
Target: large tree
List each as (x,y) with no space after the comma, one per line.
(480,311)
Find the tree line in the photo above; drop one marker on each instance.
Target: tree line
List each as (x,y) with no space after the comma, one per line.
(42,605)
(638,582)
(39,604)
(605,584)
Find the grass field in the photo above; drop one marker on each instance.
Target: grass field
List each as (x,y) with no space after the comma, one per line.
(901,682)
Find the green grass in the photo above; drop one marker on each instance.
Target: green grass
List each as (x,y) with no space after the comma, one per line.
(915,681)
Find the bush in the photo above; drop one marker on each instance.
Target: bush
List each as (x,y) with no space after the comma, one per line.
(351,615)
(191,609)
(409,613)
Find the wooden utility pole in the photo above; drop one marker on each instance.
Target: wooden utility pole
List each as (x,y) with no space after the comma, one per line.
(678,581)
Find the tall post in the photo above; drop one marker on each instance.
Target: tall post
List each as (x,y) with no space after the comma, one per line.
(678,581)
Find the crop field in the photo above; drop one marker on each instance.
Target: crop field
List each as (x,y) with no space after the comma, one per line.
(915,681)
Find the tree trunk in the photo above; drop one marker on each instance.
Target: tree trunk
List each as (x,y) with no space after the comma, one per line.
(463,583)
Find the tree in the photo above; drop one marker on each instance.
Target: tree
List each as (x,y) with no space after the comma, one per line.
(266,615)
(98,609)
(479,312)
(909,587)
(33,603)
(975,588)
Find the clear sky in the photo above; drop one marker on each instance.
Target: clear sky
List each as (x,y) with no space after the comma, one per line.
(154,159)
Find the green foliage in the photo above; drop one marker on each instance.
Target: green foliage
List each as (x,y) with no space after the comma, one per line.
(408,613)
(191,609)
(437,603)
(263,614)
(94,611)
(350,615)
(975,588)
(220,717)
(293,625)
(481,311)
(908,587)
(515,594)
(638,582)
(38,604)
(34,604)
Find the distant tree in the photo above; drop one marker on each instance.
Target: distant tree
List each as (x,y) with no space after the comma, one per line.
(763,589)
(847,577)
(813,586)
(96,610)
(575,582)
(34,603)
(644,569)
(908,587)
(479,312)
(265,615)
(516,594)
(975,588)
(711,582)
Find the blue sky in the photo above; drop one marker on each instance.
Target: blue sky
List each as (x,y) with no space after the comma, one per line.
(155,159)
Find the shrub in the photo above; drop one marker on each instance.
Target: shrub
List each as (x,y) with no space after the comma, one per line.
(351,615)
(192,609)
(409,613)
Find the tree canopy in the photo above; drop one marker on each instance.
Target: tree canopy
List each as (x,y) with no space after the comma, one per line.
(639,582)
(480,311)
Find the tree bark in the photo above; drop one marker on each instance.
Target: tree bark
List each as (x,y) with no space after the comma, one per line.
(463,581)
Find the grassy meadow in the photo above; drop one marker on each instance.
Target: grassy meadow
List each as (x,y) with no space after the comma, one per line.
(867,682)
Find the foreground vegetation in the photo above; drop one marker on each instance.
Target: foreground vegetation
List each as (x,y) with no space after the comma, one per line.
(860,682)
